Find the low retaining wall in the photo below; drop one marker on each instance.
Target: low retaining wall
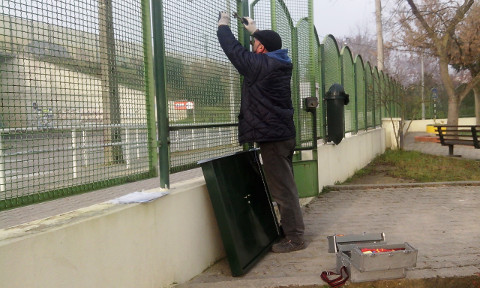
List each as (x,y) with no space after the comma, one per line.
(166,241)
(336,163)
(421,125)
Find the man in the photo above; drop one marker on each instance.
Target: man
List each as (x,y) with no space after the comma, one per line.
(266,117)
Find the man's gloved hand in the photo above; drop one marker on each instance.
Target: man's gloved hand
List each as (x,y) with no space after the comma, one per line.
(223,18)
(249,24)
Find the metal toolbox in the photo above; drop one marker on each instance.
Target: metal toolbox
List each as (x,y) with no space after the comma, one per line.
(377,266)
(382,261)
(356,275)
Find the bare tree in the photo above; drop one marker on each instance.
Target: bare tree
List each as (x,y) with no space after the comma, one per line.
(433,26)
(466,51)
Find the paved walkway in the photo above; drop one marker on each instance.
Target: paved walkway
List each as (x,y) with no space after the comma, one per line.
(439,219)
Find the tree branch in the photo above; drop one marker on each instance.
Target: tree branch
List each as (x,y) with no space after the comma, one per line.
(431,33)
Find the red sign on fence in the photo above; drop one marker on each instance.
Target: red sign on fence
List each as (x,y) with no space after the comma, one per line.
(183,105)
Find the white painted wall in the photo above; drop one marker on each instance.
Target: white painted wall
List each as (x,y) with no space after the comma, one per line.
(169,240)
(152,245)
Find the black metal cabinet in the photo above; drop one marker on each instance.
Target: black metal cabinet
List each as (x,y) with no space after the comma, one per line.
(242,206)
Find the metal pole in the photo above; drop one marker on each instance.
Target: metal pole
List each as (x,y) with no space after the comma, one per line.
(149,87)
(378,14)
(161,93)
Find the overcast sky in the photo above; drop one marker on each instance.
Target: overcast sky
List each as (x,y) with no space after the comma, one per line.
(343,17)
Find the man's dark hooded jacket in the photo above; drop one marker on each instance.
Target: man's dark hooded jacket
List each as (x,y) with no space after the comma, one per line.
(266,111)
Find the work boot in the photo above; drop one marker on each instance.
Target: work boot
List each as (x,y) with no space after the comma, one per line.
(286,245)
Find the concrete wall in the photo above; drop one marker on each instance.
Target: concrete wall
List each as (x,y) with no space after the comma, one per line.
(152,245)
(166,241)
(336,163)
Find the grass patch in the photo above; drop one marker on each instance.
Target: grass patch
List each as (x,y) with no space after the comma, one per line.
(420,167)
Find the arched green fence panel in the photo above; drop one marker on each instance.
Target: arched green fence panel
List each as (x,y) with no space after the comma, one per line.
(360,92)
(331,60)
(377,96)
(384,95)
(306,77)
(274,15)
(319,87)
(261,12)
(348,82)
(370,96)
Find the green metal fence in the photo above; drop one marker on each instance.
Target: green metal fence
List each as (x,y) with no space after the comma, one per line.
(75,97)
(209,128)
(77,82)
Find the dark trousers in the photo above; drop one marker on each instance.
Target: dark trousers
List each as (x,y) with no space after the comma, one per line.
(278,168)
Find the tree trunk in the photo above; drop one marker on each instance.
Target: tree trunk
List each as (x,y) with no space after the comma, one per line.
(453,99)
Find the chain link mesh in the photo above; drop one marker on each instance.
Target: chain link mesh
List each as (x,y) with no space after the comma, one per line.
(349,86)
(73,98)
(360,93)
(202,85)
(76,89)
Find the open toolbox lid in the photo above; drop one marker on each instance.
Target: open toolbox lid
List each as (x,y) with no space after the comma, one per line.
(340,242)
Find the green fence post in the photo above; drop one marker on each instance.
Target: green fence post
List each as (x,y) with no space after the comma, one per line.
(295,86)
(161,94)
(242,34)
(273,14)
(149,86)
(313,67)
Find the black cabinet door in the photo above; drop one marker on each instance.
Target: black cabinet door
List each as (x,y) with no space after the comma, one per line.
(242,207)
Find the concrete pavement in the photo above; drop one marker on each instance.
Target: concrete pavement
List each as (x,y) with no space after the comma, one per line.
(440,221)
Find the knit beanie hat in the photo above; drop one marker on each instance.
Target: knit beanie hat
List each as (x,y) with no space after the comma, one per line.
(269,38)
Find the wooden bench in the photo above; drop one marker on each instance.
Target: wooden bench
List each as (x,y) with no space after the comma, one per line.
(450,135)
